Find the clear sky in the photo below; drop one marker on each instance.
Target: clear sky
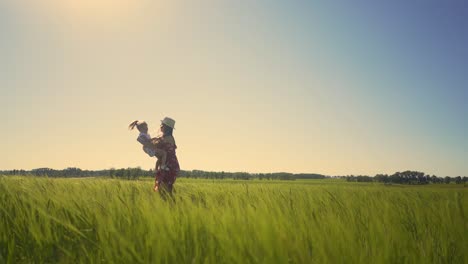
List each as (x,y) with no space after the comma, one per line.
(332,87)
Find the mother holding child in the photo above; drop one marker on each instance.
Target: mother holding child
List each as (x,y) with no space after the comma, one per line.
(164,149)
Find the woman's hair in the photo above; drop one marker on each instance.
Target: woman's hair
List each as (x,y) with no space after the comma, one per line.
(167,130)
(140,126)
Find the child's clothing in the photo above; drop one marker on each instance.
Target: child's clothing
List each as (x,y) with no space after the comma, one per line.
(152,150)
(145,140)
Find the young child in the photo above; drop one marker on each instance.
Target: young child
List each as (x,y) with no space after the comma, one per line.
(149,144)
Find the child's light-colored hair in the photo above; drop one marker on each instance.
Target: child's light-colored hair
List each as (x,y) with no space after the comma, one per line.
(138,124)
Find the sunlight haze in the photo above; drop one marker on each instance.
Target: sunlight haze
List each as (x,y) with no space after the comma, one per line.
(256,86)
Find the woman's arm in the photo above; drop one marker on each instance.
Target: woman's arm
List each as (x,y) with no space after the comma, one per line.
(156,141)
(159,153)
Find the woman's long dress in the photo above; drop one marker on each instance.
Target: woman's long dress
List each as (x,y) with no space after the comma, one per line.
(167,178)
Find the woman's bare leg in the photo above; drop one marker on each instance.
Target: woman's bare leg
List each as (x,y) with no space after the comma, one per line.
(156,187)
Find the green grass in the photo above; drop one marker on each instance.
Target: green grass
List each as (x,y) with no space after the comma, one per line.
(317,221)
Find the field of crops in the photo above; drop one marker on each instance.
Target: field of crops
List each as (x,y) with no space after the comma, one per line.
(45,220)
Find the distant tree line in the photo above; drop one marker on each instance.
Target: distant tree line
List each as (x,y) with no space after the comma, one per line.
(406,177)
(135,173)
(128,173)
(249,176)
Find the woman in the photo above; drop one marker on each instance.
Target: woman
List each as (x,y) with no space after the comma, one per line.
(165,178)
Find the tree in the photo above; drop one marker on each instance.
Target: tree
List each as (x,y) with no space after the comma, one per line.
(381,178)
(447,180)
(395,178)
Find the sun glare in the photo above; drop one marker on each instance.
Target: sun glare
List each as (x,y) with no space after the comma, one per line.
(96,10)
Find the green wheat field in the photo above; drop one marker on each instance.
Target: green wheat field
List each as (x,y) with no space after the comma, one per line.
(45,220)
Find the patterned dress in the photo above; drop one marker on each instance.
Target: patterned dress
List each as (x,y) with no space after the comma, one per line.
(168,177)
